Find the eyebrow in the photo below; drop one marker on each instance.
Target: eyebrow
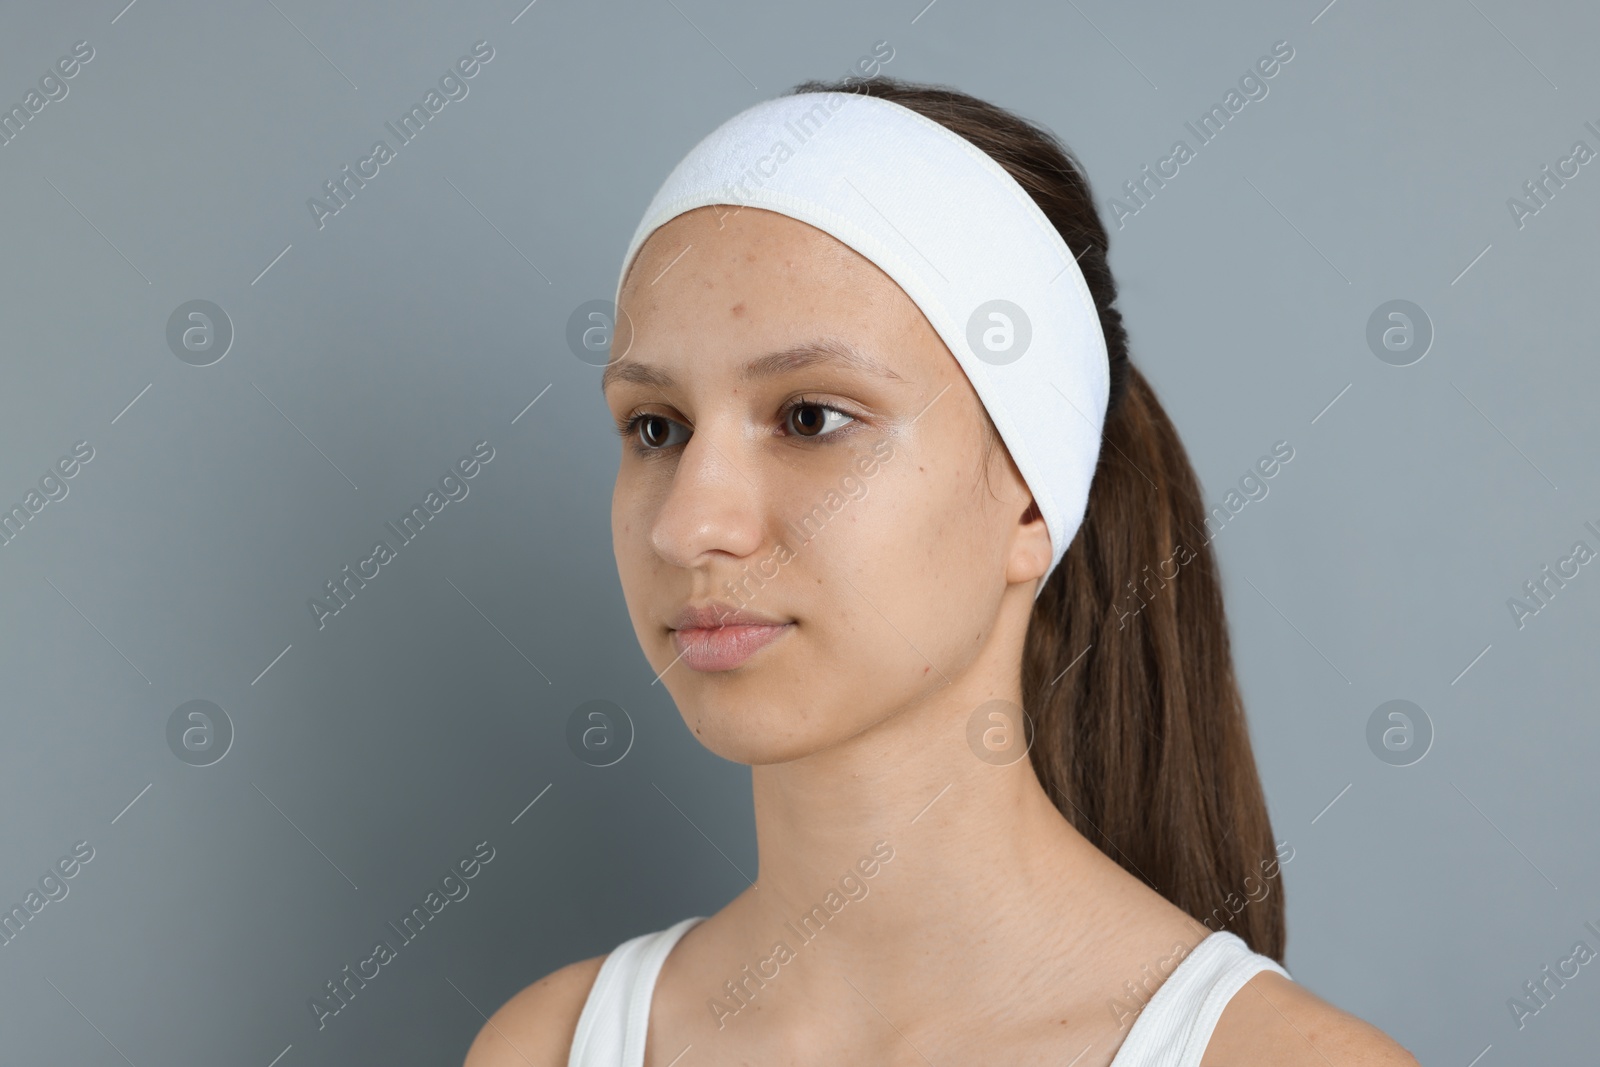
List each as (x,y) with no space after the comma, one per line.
(796,357)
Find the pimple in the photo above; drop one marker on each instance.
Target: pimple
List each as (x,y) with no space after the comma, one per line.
(737,309)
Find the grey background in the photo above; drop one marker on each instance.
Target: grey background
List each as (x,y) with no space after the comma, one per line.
(432,310)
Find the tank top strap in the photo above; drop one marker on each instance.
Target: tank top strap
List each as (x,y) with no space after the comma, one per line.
(1176,1024)
(611,1028)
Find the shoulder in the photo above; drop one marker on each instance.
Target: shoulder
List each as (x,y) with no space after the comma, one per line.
(535,1027)
(1272,1019)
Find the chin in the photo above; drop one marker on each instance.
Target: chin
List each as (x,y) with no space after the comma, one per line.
(758,732)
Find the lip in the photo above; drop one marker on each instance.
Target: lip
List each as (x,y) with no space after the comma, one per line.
(723,648)
(716,637)
(712,614)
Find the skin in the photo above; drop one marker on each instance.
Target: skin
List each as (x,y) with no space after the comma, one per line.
(996,933)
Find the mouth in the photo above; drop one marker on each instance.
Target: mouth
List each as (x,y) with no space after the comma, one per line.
(722,648)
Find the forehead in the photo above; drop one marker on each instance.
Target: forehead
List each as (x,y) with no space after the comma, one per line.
(711,253)
(733,281)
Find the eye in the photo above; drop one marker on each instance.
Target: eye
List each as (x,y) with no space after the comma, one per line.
(810,419)
(652,433)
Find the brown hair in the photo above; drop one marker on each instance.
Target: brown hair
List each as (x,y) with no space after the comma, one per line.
(1140,735)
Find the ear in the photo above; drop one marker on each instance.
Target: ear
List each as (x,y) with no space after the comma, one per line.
(1030,547)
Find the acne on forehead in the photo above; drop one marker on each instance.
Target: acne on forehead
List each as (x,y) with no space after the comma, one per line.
(771,258)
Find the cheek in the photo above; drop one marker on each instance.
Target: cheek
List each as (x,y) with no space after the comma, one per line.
(621,519)
(937,540)
(907,574)
(622,526)
(632,505)
(630,534)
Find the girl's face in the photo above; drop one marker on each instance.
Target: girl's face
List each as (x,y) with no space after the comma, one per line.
(801,451)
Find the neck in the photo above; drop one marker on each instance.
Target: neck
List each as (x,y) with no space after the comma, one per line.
(901,846)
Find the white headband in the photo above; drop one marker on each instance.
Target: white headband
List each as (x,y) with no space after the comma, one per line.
(967,244)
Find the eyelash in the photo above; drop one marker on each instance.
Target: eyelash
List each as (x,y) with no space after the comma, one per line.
(628,429)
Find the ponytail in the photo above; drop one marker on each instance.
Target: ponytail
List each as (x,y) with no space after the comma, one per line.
(1140,736)
(1140,733)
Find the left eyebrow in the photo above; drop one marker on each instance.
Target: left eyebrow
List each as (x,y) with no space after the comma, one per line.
(795,357)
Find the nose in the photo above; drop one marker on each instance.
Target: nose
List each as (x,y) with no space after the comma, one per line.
(713,505)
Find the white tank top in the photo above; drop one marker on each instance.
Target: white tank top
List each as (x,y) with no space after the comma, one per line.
(1172,1030)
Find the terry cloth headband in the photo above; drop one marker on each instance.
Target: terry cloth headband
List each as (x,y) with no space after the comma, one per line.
(967,244)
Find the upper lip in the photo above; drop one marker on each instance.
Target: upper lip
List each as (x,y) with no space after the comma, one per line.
(713,614)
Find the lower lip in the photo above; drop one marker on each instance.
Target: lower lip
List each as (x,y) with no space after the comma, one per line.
(725,647)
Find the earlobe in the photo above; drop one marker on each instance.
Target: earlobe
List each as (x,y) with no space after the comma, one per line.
(1032,559)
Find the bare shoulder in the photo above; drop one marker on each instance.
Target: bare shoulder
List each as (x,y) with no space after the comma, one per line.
(1272,1020)
(535,1027)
